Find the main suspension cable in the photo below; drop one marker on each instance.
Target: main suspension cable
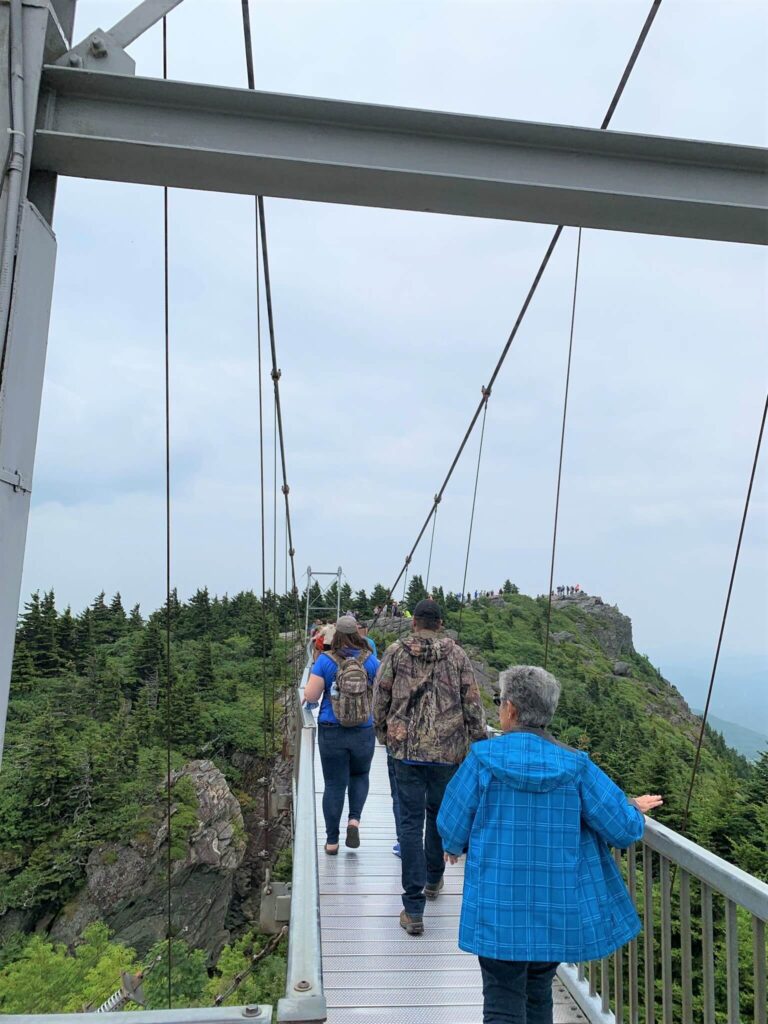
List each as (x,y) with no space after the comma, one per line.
(562,448)
(168,682)
(710,688)
(531,292)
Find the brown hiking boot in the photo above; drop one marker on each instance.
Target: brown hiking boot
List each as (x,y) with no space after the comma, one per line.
(413,925)
(432,889)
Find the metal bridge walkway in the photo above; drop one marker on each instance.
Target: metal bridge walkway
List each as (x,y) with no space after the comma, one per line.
(373,972)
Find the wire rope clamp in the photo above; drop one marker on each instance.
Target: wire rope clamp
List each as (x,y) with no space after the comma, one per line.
(276,375)
(286,490)
(486,393)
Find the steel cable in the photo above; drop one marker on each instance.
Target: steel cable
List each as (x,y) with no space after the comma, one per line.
(562,448)
(710,688)
(531,291)
(168,682)
(486,396)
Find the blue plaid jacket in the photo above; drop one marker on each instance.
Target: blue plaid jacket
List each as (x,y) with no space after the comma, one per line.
(536,820)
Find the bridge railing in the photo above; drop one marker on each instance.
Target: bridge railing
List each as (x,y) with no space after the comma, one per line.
(304,1000)
(703,919)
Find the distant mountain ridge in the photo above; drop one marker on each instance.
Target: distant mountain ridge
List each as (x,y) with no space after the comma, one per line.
(748,742)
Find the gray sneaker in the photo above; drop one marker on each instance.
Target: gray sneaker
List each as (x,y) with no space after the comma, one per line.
(432,889)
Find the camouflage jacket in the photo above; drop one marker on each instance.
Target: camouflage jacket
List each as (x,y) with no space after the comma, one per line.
(426,701)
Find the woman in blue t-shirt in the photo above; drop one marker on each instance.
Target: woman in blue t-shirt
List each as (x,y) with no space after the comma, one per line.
(345,752)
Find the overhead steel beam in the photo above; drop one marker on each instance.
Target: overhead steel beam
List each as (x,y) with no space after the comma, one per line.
(96,125)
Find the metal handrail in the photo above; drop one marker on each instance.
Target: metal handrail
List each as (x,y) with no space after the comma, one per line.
(304,999)
(610,990)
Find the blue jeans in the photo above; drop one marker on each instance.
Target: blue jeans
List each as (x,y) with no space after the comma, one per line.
(346,756)
(517,991)
(420,789)
(393,791)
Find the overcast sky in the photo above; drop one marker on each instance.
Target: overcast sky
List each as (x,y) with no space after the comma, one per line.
(388,323)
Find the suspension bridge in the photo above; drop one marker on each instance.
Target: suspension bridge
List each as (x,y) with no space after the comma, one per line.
(79,109)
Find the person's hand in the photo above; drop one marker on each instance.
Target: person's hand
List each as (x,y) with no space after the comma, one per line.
(451,858)
(648,803)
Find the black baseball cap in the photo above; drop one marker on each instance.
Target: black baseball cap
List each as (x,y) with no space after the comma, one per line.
(428,609)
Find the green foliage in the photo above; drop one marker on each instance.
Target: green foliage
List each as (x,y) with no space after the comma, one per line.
(46,978)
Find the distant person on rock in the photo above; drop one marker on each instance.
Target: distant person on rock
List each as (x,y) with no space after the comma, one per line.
(427,710)
(343,677)
(536,820)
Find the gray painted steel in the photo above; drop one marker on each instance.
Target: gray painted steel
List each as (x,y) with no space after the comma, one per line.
(21,388)
(303,1000)
(373,972)
(203,1015)
(149,131)
(744,889)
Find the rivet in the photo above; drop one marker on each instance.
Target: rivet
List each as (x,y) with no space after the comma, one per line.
(302,986)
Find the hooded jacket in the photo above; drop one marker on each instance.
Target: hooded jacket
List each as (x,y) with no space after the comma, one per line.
(426,701)
(536,820)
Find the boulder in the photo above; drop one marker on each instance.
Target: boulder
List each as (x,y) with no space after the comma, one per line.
(621,668)
(562,637)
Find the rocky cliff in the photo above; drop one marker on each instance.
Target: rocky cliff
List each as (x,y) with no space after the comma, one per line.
(126,883)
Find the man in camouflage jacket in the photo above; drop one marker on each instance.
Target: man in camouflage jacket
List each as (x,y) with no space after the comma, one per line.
(427,710)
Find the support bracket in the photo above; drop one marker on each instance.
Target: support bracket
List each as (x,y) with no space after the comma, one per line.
(105,51)
(14,479)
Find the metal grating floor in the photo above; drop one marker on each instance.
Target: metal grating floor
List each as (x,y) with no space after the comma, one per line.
(373,973)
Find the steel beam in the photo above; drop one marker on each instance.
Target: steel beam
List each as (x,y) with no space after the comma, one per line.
(143,130)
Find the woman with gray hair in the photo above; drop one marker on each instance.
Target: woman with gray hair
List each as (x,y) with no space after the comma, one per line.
(535,819)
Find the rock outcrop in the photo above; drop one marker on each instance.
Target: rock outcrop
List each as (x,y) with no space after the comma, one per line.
(126,883)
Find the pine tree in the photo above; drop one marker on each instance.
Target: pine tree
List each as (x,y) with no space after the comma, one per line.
(510,587)
(135,619)
(361,604)
(100,620)
(346,597)
(149,656)
(66,636)
(46,656)
(118,619)
(203,670)
(23,670)
(85,641)
(416,593)
(379,596)
(199,614)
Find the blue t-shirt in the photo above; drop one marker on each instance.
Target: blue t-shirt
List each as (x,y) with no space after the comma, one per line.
(327,668)
(372,644)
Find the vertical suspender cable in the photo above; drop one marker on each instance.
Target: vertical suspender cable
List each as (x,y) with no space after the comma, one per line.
(562,448)
(650,18)
(734,566)
(486,396)
(168,681)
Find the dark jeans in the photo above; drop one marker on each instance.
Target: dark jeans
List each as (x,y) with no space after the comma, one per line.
(393,791)
(346,756)
(517,991)
(420,789)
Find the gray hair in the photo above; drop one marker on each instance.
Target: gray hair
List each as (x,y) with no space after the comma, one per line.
(533,691)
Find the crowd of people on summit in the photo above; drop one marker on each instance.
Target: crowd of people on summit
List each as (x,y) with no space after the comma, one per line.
(534,818)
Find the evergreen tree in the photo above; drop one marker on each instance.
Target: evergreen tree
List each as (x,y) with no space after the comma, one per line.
(204,666)
(101,621)
(346,597)
(135,620)
(379,596)
(416,593)
(199,614)
(361,604)
(510,587)
(85,642)
(118,619)
(148,656)
(47,659)
(66,637)
(22,671)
